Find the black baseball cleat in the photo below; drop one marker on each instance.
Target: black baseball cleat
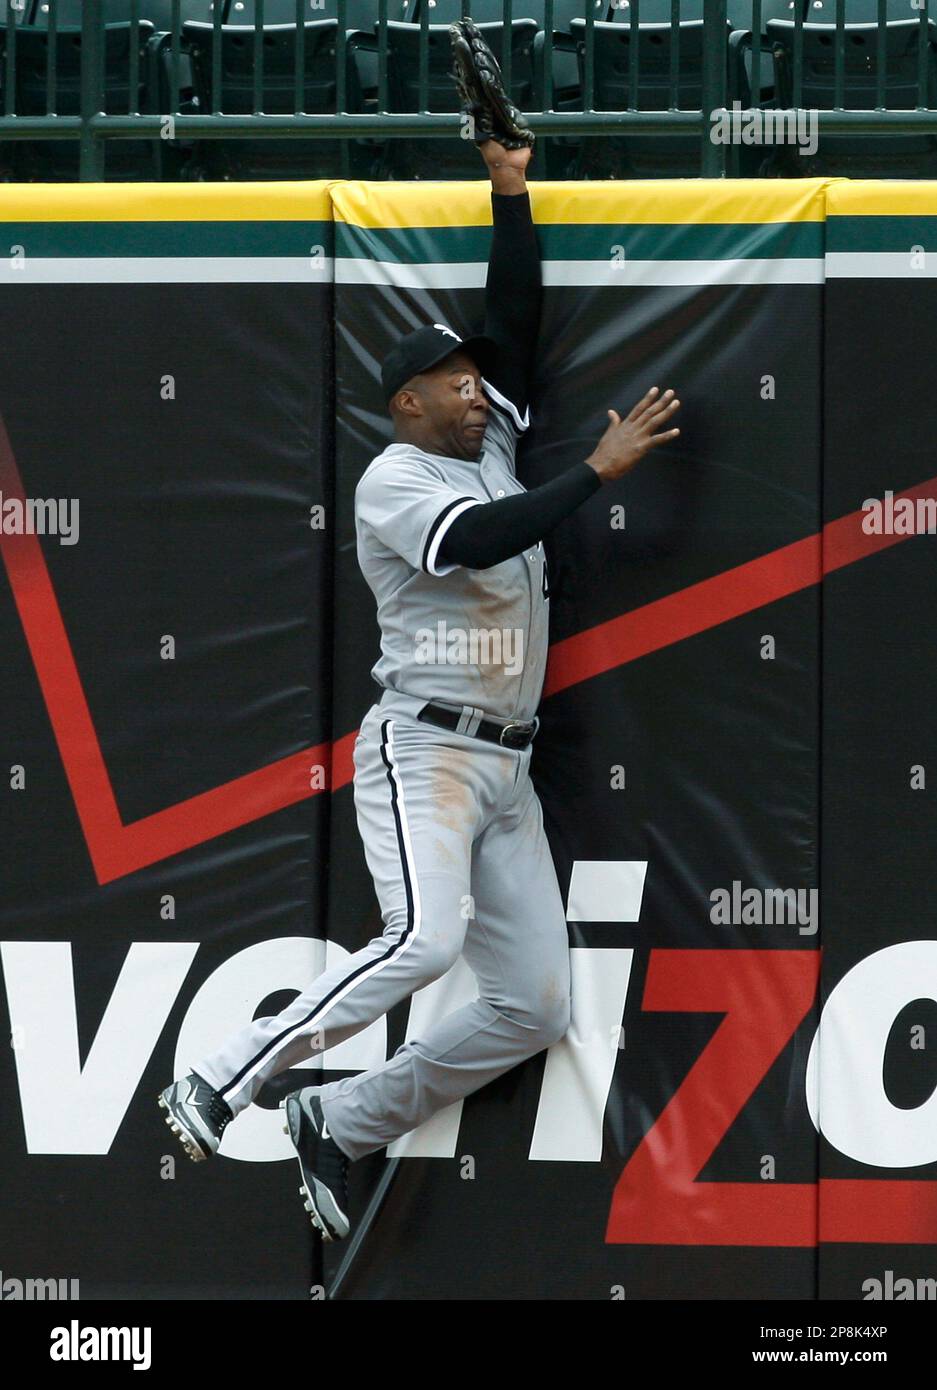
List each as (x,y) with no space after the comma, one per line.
(323,1165)
(197,1114)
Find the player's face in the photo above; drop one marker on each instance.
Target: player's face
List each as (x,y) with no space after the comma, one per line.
(457,405)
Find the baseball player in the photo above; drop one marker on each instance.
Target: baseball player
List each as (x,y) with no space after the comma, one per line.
(451,545)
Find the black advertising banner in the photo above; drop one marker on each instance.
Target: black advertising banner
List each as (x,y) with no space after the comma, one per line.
(742,1108)
(165,383)
(875,1064)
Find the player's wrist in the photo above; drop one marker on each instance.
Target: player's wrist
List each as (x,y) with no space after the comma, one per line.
(507,182)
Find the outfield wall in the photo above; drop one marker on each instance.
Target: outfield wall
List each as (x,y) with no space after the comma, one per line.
(738,700)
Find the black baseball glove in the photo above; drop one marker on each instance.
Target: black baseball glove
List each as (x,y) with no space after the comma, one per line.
(481,91)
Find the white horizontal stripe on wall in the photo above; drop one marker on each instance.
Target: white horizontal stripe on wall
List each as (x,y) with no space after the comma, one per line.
(166,270)
(471,274)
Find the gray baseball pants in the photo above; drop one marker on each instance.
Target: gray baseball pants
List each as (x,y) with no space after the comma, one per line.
(453,836)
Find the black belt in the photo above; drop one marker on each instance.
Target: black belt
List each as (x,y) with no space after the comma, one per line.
(515,733)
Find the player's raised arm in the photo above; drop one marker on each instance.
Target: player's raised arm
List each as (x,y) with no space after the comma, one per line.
(514,287)
(505,141)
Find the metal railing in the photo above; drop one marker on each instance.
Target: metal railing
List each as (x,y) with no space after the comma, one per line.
(725,69)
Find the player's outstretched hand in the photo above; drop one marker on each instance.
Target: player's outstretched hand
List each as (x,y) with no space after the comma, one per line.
(625,442)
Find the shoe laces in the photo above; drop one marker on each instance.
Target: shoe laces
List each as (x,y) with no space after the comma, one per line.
(219,1111)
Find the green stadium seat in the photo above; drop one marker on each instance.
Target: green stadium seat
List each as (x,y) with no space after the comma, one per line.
(641,156)
(359,14)
(565,11)
(654,11)
(272,158)
(491,11)
(859,156)
(482,11)
(57,160)
(156,12)
(561,152)
(745,160)
(857,11)
(740,13)
(565,155)
(770,9)
(360,17)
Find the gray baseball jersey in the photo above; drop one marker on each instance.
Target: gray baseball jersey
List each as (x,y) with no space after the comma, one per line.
(437,637)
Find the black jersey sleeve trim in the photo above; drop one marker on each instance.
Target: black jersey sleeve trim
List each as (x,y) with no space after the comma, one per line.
(436,534)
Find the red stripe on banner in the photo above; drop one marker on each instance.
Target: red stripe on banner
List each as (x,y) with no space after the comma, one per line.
(117,849)
(718,600)
(56,672)
(844,540)
(878,1211)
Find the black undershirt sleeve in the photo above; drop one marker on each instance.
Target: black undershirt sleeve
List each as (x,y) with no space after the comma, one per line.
(513,293)
(486,535)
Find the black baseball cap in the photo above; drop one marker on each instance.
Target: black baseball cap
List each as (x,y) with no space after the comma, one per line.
(426,346)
